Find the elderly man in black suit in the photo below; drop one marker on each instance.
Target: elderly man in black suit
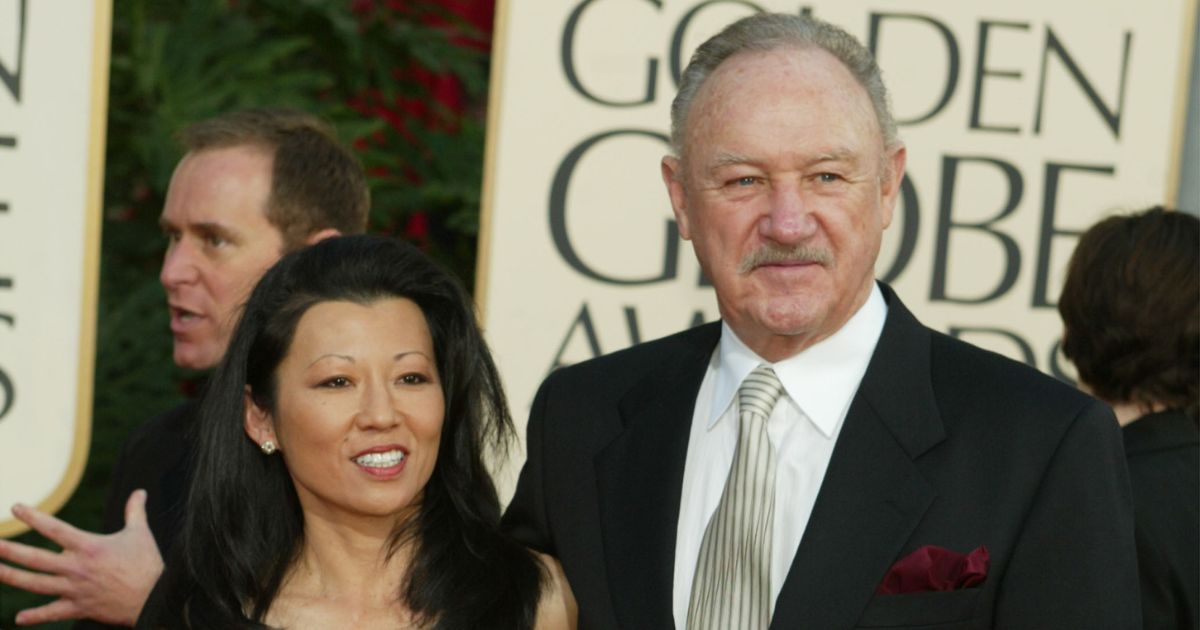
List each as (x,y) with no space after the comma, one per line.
(818,459)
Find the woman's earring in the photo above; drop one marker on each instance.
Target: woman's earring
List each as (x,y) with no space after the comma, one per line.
(267,447)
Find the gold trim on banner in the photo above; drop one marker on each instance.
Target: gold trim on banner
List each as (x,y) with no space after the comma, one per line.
(1182,92)
(490,148)
(97,126)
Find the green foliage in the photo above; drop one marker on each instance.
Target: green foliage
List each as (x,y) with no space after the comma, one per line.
(177,61)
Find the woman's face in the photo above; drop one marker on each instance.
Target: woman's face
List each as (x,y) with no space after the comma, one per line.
(359,409)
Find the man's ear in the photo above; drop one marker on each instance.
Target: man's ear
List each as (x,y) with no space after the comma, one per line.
(672,176)
(889,187)
(257,421)
(320,235)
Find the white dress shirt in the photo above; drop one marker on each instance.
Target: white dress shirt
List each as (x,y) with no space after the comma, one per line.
(819,382)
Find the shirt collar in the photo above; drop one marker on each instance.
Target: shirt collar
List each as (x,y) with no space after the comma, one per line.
(821,380)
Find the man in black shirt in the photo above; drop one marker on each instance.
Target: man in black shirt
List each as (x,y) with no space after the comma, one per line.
(251,187)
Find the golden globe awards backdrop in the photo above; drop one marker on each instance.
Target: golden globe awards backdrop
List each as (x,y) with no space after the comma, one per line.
(53,97)
(1025,122)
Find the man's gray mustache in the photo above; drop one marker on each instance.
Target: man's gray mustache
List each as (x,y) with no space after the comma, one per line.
(771,255)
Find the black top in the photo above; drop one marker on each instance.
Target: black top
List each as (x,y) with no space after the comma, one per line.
(155,457)
(1163,450)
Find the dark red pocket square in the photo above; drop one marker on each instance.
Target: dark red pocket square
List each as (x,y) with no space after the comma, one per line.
(933,568)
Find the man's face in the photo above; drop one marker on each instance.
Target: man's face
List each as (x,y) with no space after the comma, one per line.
(219,243)
(784,189)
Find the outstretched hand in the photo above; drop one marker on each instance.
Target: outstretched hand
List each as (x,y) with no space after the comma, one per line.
(102,577)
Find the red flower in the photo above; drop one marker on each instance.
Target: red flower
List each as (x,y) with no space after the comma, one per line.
(417,228)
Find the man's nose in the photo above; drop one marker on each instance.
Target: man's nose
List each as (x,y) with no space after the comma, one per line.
(789,219)
(179,265)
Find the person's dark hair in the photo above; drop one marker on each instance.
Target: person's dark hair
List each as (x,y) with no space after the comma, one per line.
(1131,309)
(316,183)
(244,526)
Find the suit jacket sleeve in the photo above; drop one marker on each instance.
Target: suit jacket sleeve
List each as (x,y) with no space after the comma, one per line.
(1075,564)
(1159,603)
(118,490)
(525,519)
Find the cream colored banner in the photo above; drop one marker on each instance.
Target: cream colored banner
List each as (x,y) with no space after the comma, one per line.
(53,98)
(1025,122)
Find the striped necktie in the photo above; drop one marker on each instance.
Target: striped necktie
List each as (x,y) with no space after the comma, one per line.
(732,583)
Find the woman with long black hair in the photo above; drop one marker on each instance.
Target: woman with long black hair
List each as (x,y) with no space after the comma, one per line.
(339,480)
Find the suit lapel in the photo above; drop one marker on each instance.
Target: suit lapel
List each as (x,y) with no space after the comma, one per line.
(640,477)
(873,495)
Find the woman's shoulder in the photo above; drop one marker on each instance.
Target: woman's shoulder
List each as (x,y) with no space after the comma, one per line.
(556,609)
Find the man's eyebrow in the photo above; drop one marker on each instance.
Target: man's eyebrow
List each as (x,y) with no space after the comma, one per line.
(729,159)
(836,155)
(840,154)
(207,227)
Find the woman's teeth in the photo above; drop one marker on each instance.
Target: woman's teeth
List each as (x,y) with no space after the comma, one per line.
(386,459)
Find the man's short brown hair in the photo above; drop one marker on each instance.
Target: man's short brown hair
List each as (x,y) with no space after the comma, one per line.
(1131,309)
(316,183)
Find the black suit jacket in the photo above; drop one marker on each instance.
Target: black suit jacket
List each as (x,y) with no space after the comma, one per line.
(156,456)
(1163,451)
(943,444)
